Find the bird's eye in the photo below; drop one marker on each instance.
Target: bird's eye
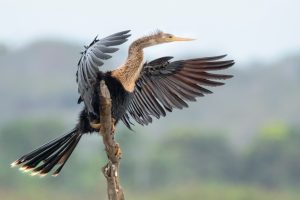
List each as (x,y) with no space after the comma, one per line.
(170,36)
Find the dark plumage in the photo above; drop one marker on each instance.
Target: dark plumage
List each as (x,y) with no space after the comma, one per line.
(138,90)
(91,59)
(164,85)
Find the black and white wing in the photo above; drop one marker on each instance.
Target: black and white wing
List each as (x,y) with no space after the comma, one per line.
(164,85)
(91,59)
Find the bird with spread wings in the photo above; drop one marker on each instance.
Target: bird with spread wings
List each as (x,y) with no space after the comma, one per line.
(139,91)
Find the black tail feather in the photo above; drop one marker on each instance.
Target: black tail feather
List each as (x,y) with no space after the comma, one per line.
(67,155)
(43,154)
(55,152)
(53,158)
(46,146)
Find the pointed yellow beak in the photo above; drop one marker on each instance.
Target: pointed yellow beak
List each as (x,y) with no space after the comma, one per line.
(182,39)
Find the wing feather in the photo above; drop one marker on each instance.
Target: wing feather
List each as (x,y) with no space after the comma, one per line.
(92,58)
(165,85)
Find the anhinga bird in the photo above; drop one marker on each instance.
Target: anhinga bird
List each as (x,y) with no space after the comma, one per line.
(140,90)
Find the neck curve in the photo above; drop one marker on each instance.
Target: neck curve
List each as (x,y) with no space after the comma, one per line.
(142,43)
(129,72)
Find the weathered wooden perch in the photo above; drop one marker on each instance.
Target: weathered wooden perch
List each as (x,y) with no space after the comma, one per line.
(113,151)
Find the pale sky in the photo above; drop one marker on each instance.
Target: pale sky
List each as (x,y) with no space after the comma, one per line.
(245,29)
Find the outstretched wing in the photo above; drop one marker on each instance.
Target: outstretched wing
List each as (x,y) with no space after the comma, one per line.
(165,85)
(91,59)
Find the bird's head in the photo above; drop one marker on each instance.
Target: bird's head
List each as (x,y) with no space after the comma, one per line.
(160,37)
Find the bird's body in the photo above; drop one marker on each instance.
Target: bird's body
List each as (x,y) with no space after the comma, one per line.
(139,90)
(121,97)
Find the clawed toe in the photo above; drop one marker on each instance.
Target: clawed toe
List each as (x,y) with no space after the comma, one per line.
(95,125)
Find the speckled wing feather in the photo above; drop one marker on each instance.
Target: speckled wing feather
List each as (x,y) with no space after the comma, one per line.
(91,59)
(165,85)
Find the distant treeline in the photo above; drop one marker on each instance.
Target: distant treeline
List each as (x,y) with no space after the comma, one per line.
(272,160)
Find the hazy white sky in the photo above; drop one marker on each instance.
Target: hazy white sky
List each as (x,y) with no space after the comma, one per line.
(245,29)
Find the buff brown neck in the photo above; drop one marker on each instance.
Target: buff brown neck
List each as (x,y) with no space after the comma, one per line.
(129,72)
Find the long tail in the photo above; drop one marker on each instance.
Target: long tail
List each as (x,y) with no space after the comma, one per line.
(56,152)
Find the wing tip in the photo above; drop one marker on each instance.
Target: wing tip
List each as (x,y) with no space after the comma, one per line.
(126,31)
(229,76)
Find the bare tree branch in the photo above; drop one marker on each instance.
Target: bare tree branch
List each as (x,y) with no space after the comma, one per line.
(113,151)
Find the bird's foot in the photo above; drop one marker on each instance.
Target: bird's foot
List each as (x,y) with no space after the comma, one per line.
(96,125)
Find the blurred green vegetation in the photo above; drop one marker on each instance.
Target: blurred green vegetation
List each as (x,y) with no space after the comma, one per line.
(239,143)
(182,164)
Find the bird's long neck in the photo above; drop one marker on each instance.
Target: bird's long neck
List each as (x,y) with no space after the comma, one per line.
(130,71)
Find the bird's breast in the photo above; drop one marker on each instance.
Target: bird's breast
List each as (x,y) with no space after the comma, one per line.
(120,97)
